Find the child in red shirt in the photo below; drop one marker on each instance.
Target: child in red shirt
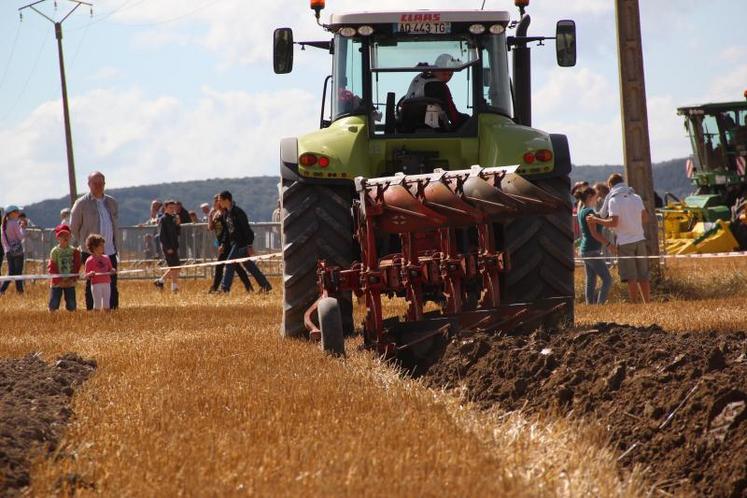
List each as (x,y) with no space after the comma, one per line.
(99,270)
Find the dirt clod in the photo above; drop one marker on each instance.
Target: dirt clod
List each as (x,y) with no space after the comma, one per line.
(615,380)
(716,360)
(34,403)
(672,403)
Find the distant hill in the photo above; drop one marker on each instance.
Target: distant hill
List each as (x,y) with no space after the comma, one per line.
(669,176)
(258,195)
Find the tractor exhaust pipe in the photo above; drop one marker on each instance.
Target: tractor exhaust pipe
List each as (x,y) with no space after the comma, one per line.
(522,60)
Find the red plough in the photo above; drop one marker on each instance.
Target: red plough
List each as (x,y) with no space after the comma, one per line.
(444,223)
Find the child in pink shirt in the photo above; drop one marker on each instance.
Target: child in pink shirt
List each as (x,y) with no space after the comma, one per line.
(99,270)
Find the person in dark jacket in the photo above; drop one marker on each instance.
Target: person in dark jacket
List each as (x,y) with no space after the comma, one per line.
(168,232)
(217,224)
(240,238)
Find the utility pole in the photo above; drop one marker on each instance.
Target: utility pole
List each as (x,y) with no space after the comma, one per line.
(636,144)
(63,81)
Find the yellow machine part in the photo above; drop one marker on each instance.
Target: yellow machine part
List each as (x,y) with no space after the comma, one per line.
(699,240)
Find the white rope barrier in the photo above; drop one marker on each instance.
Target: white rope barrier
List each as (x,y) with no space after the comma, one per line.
(49,276)
(267,257)
(733,254)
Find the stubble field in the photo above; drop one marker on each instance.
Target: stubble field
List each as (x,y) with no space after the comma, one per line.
(197,395)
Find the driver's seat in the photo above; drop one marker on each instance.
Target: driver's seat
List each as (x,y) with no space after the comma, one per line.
(421,113)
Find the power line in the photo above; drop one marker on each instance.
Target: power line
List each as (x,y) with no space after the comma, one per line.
(173,19)
(80,44)
(128,4)
(28,80)
(10,57)
(106,16)
(63,84)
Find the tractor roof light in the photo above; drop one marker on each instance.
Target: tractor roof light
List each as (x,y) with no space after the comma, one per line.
(347,32)
(365,31)
(518,3)
(317,6)
(497,29)
(477,29)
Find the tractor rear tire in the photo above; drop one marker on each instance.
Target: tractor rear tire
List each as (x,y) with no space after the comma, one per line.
(330,325)
(540,249)
(317,224)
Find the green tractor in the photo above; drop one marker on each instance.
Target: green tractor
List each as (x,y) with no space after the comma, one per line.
(714,217)
(384,120)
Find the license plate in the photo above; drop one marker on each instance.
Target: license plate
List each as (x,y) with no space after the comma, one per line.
(424,28)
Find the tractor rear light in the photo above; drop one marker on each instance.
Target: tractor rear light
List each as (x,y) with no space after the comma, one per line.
(543,155)
(529,157)
(307,160)
(477,29)
(497,29)
(323,162)
(347,32)
(365,31)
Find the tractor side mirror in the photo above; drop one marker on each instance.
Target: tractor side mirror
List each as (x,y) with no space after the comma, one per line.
(565,43)
(282,51)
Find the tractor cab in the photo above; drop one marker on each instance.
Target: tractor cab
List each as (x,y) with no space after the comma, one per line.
(718,134)
(422,73)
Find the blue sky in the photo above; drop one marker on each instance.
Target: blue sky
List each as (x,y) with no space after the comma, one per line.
(170,90)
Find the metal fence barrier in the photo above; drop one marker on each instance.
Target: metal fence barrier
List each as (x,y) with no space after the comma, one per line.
(138,248)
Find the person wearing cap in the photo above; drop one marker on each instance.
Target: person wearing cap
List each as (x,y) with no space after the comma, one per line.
(63,260)
(205,208)
(65,217)
(156,211)
(97,213)
(12,234)
(432,83)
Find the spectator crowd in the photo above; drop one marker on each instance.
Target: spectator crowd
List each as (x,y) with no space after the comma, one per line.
(86,240)
(609,220)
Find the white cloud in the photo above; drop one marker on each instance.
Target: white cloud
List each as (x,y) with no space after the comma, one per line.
(729,85)
(106,73)
(241,32)
(138,140)
(666,130)
(733,54)
(568,92)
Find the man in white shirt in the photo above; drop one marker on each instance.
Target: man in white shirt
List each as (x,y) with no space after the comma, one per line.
(627,217)
(96,212)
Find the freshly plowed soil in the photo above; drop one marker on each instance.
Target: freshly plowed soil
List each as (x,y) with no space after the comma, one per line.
(674,403)
(34,407)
